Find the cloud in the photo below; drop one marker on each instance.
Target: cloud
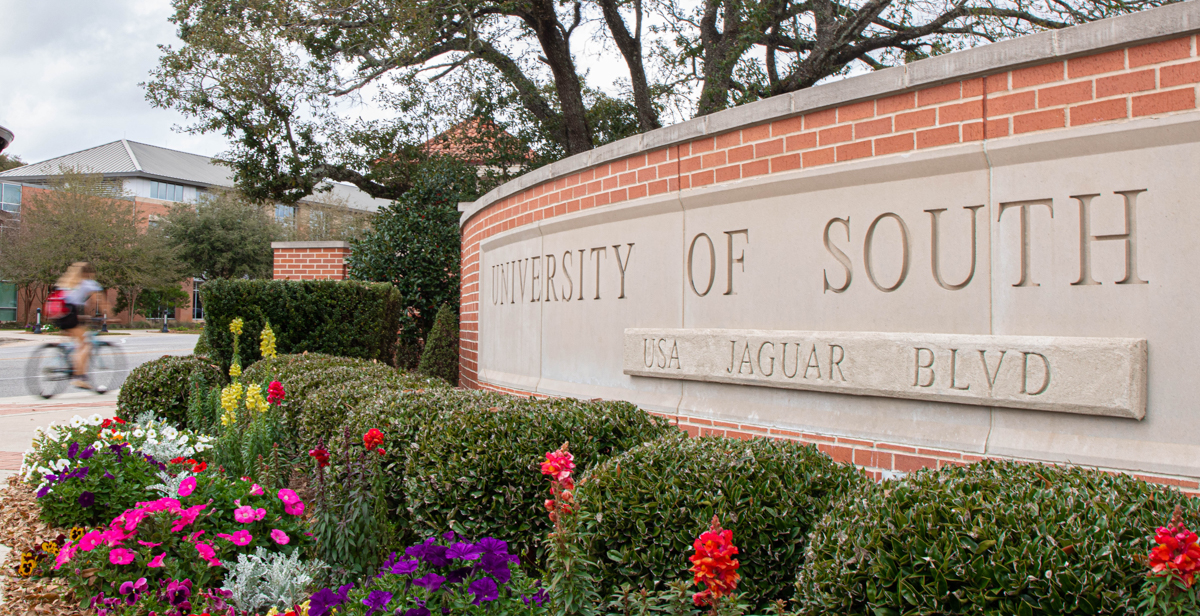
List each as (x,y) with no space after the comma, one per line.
(71,70)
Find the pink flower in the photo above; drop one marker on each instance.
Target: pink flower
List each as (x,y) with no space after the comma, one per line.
(114,536)
(279,536)
(194,536)
(241,537)
(148,544)
(90,541)
(247,514)
(294,509)
(121,556)
(162,504)
(256,490)
(187,487)
(288,497)
(186,517)
(157,561)
(65,555)
(208,553)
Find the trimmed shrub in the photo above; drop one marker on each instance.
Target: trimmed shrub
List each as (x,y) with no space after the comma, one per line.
(470,461)
(201,349)
(440,357)
(640,512)
(990,538)
(337,317)
(321,389)
(162,386)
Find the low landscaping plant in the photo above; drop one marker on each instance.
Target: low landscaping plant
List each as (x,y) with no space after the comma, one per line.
(640,512)
(440,357)
(162,386)
(990,538)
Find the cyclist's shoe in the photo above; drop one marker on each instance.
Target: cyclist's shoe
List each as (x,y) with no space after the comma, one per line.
(81,384)
(100,389)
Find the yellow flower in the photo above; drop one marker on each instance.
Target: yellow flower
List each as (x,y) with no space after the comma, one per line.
(28,558)
(235,370)
(76,533)
(267,344)
(254,399)
(25,569)
(235,326)
(50,547)
(230,397)
(302,609)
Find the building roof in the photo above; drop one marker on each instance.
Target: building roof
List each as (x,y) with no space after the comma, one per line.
(474,141)
(130,159)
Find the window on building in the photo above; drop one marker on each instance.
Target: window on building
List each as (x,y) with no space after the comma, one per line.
(166,192)
(10,197)
(197,307)
(8,301)
(285,213)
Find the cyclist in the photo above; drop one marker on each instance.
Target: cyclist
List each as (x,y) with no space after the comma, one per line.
(80,286)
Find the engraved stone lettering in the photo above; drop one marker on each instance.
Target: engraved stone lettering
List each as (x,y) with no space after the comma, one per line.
(662,355)
(935,248)
(1025,374)
(839,255)
(647,353)
(954,372)
(1129,237)
(923,366)
(570,290)
(732,355)
(813,363)
(580,275)
(991,376)
(712,264)
(783,361)
(1023,218)
(746,363)
(603,250)
(741,260)
(536,273)
(674,355)
(551,269)
(504,274)
(836,355)
(764,371)
(622,264)
(869,240)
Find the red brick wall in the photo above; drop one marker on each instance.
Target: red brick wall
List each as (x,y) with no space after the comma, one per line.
(1112,86)
(311,263)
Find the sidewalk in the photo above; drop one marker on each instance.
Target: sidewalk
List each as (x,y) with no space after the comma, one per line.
(21,416)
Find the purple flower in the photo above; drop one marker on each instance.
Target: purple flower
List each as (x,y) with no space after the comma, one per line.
(87,453)
(126,588)
(430,582)
(178,593)
(538,597)
(80,472)
(72,450)
(484,589)
(108,475)
(43,491)
(325,600)
(416,611)
(87,499)
(377,600)
(448,535)
(491,545)
(463,551)
(458,575)
(405,567)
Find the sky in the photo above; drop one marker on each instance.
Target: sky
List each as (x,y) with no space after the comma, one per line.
(70,69)
(69,75)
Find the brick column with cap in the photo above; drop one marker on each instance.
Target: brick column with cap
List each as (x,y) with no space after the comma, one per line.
(310,260)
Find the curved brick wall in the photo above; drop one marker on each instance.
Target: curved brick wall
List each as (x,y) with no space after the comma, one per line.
(1115,71)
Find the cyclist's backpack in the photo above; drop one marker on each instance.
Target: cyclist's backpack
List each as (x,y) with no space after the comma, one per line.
(56,305)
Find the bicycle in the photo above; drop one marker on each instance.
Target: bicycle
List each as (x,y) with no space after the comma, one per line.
(51,367)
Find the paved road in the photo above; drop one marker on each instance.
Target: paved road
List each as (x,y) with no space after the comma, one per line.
(137,348)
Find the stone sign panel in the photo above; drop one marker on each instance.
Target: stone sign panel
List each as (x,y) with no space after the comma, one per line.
(1091,376)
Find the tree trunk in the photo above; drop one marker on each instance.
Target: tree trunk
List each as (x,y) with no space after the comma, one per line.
(631,48)
(544,22)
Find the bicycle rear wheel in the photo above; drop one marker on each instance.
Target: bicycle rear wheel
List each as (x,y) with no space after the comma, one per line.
(48,371)
(106,369)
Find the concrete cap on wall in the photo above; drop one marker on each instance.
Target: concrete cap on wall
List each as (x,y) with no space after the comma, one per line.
(293,245)
(1142,27)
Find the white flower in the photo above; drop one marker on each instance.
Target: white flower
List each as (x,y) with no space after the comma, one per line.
(60,464)
(151,433)
(152,441)
(138,433)
(95,420)
(183,440)
(170,432)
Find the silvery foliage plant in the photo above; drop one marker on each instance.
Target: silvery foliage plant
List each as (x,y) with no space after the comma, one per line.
(170,484)
(264,579)
(162,441)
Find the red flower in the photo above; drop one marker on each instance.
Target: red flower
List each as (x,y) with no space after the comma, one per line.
(381,451)
(559,464)
(372,439)
(118,420)
(199,468)
(321,456)
(713,564)
(178,460)
(106,423)
(1178,551)
(275,392)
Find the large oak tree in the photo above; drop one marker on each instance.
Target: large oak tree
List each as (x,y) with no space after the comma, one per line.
(283,78)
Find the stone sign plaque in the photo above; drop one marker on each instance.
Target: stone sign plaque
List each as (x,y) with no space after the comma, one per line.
(1091,376)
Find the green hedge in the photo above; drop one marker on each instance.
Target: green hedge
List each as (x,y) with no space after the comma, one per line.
(337,317)
(470,461)
(990,538)
(163,385)
(440,357)
(640,512)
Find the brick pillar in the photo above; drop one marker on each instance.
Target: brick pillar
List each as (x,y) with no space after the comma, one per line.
(310,260)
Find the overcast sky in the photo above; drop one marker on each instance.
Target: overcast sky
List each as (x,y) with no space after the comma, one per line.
(69,74)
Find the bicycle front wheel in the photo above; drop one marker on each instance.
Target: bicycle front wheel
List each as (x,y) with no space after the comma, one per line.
(48,371)
(107,367)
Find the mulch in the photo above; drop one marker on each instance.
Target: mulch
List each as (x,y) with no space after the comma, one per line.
(19,529)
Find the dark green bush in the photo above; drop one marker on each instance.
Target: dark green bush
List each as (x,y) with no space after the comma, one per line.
(469,461)
(440,357)
(162,386)
(640,512)
(990,538)
(337,317)
(321,389)
(201,349)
